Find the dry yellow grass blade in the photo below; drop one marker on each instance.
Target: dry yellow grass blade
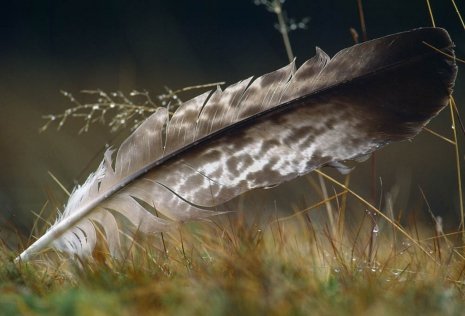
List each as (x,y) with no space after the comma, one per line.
(444,138)
(452,106)
(459,15)
(458,166)
(375,209)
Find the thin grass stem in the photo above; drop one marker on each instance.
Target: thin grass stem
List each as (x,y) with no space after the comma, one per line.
(369,205)
(458,167)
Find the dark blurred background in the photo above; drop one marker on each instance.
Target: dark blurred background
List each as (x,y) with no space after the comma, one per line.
(48,46)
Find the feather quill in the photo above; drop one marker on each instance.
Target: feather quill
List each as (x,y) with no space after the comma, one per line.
(258,133)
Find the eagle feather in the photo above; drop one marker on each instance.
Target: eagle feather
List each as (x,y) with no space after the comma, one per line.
(259,133)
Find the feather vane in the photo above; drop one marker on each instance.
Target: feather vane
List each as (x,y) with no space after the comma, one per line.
(258,133)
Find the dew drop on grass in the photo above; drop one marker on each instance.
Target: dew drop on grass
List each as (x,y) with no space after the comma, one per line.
(406,244)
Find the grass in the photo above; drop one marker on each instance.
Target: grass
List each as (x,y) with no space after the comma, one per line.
(235,266)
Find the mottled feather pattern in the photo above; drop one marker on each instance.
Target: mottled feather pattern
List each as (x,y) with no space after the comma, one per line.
(258,133)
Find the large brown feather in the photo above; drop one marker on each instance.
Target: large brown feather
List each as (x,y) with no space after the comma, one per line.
(260,133)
